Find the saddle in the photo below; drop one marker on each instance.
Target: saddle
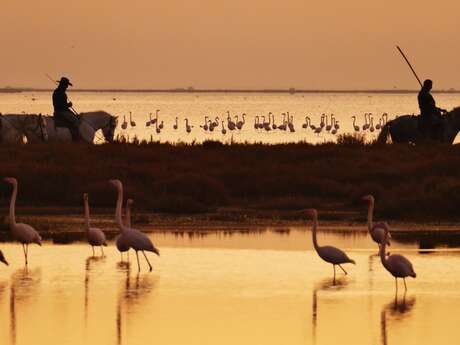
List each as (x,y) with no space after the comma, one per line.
(60,122)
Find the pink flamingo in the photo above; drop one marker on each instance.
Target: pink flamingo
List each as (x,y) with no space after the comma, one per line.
(95,235)
(122,241)
(330,254)
(135,239)
(397,265)
(24,233)
(376,230)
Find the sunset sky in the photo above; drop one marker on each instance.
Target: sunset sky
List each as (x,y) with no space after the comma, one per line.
(229,44)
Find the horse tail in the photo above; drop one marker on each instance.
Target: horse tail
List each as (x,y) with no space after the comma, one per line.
(383,135)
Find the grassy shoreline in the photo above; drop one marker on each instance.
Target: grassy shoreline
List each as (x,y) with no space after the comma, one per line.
(232,183)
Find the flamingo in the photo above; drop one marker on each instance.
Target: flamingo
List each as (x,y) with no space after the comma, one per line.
(161,124)
(2,258)
(136,239)
(24,233)
(124,124)
(230,124)
(322,124)
(224,131)
(290,123)
(376,231)
(336,123)
(147,124)
(330,254)
(157,128)
(240,124)
(366,125)
(205,126)
(188,128)
(122,241)
(256,122)
(328,126)
(371,124)
(397,265)
(355,127)
(133,124)
(283,126)
(96,237)
(176,124)
(155,120)
(305,125)
(273,118)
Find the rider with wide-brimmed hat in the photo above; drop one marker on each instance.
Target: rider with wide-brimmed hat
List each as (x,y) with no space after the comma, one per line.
(430,115)
(62,108)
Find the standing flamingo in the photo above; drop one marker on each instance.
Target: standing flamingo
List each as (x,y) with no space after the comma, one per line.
(95,235)
(330,254)
(124,125)
(147,124)
(355,127)
(188,128)
(23,233)
(121,241)
(132,123)
(376,230)
(2,258)
(176,125)
(136,239)
(397,265)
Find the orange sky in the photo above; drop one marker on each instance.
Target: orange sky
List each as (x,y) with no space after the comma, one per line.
(229,44)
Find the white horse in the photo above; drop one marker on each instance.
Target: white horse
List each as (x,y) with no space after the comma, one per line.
(14,127)
(90,123)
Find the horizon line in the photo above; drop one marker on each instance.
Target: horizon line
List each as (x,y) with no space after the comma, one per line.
(8,89)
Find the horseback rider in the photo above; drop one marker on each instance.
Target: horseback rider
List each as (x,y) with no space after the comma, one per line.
(430,115)
(62,109)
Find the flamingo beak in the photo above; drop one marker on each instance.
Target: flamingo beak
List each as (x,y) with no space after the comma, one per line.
(2,259)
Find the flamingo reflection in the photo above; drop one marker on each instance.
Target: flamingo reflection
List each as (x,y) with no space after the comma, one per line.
(132,292)
(396,311)
(23,287)
(90,263)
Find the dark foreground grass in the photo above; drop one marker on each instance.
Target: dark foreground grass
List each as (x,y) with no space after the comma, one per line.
(409,183)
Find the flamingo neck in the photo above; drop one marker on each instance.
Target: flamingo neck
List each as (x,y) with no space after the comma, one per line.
(128,216)
(370,213)
(314,227)
(13,206)
(382,251)
(87,215)
(118,210)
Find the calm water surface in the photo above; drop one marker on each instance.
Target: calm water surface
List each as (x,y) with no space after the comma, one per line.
(219,288)
(196,106)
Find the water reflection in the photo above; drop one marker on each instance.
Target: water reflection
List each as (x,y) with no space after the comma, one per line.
(24,283)
(133,291)
(90,263)
(393,312)
(324,285)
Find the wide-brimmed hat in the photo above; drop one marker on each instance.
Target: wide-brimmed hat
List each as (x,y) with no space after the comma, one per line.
(65,81)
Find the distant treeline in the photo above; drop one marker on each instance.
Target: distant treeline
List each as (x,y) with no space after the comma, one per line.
(409,183)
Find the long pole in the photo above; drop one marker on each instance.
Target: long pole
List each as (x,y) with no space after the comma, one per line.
(412,69)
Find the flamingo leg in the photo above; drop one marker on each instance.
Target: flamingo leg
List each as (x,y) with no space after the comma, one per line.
(334,274)
(145,256)
(121,256)
(396,283)
(102,251)
(138,265)
(92,247)
(25,253)
(343,269)
(405,286)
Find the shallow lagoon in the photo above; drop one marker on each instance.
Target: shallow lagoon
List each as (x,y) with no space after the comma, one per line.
(228,287)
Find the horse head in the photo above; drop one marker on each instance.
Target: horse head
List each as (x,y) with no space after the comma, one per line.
(109,129)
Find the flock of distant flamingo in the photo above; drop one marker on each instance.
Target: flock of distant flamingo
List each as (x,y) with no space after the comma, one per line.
(129,238)
(228,123)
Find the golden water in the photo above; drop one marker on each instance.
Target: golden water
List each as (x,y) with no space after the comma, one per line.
(247,288)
